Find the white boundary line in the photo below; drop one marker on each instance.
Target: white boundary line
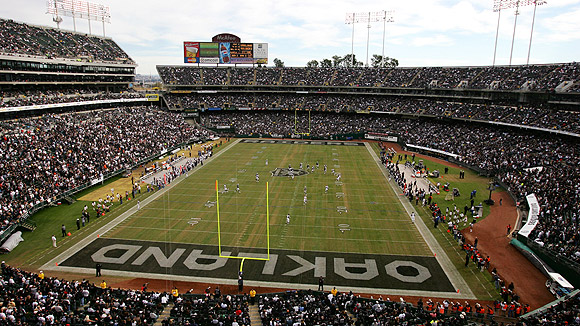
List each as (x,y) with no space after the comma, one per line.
(452,273)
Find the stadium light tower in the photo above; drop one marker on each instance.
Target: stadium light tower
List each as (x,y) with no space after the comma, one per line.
(536,3)
(368,18)
(498,5)
(388,18)
(78,9)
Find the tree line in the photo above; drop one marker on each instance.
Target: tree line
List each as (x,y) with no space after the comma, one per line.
(346,61)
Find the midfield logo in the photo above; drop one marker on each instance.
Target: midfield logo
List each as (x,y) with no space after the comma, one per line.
(285,172)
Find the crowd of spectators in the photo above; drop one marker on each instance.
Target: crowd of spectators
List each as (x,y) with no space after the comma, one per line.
(509,154)
(338,308)
(306,308)
(530,77)
(40,97)
(210,309)
(43,157)
(34,299)
(24,39)
(566,312)
(179,75)
(537,116)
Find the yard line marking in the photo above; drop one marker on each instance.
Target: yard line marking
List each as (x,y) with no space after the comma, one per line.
(289,236)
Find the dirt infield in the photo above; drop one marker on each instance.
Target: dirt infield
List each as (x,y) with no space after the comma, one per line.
(511,265)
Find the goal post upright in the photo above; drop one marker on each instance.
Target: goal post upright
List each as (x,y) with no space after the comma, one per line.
(309,122)
(296,123)
(295,120)
(267,220)
(217,200)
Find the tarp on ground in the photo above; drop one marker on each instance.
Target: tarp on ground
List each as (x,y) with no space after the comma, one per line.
(12,242)
(540,264)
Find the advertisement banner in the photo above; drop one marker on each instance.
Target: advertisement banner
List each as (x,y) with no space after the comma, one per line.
(226,37)
(209,60)
(224,52)
(191,49)
(152,97)
(261,50)
(242,60)
(209,50)
(191,52)
(383,137)
(532,216)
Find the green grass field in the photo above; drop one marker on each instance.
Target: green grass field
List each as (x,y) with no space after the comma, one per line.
(374,220)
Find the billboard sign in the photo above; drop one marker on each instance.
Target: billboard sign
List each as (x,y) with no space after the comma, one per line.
(226,37)
(225,52)
(152,97)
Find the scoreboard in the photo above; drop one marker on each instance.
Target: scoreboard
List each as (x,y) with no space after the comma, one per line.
(242,50)
(225,52)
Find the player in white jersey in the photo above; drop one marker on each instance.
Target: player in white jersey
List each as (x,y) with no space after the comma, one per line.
(225,188)
(238,188)
(257,177)
(305,190)
(326,189)
(288,218)
(266,161)
(305,199)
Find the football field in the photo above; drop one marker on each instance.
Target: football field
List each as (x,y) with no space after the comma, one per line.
(358,214)
(346,224)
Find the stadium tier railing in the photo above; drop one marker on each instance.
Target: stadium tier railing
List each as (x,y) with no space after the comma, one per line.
(70,104)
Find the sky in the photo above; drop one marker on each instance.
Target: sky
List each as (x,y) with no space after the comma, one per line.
(423,33)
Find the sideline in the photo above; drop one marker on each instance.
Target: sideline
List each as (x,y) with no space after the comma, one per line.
(53,264)
(452,273)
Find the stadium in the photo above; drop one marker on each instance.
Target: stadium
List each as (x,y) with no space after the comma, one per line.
(237,193)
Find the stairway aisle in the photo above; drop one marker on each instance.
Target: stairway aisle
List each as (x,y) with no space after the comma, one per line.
(255,315)
(164,314)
